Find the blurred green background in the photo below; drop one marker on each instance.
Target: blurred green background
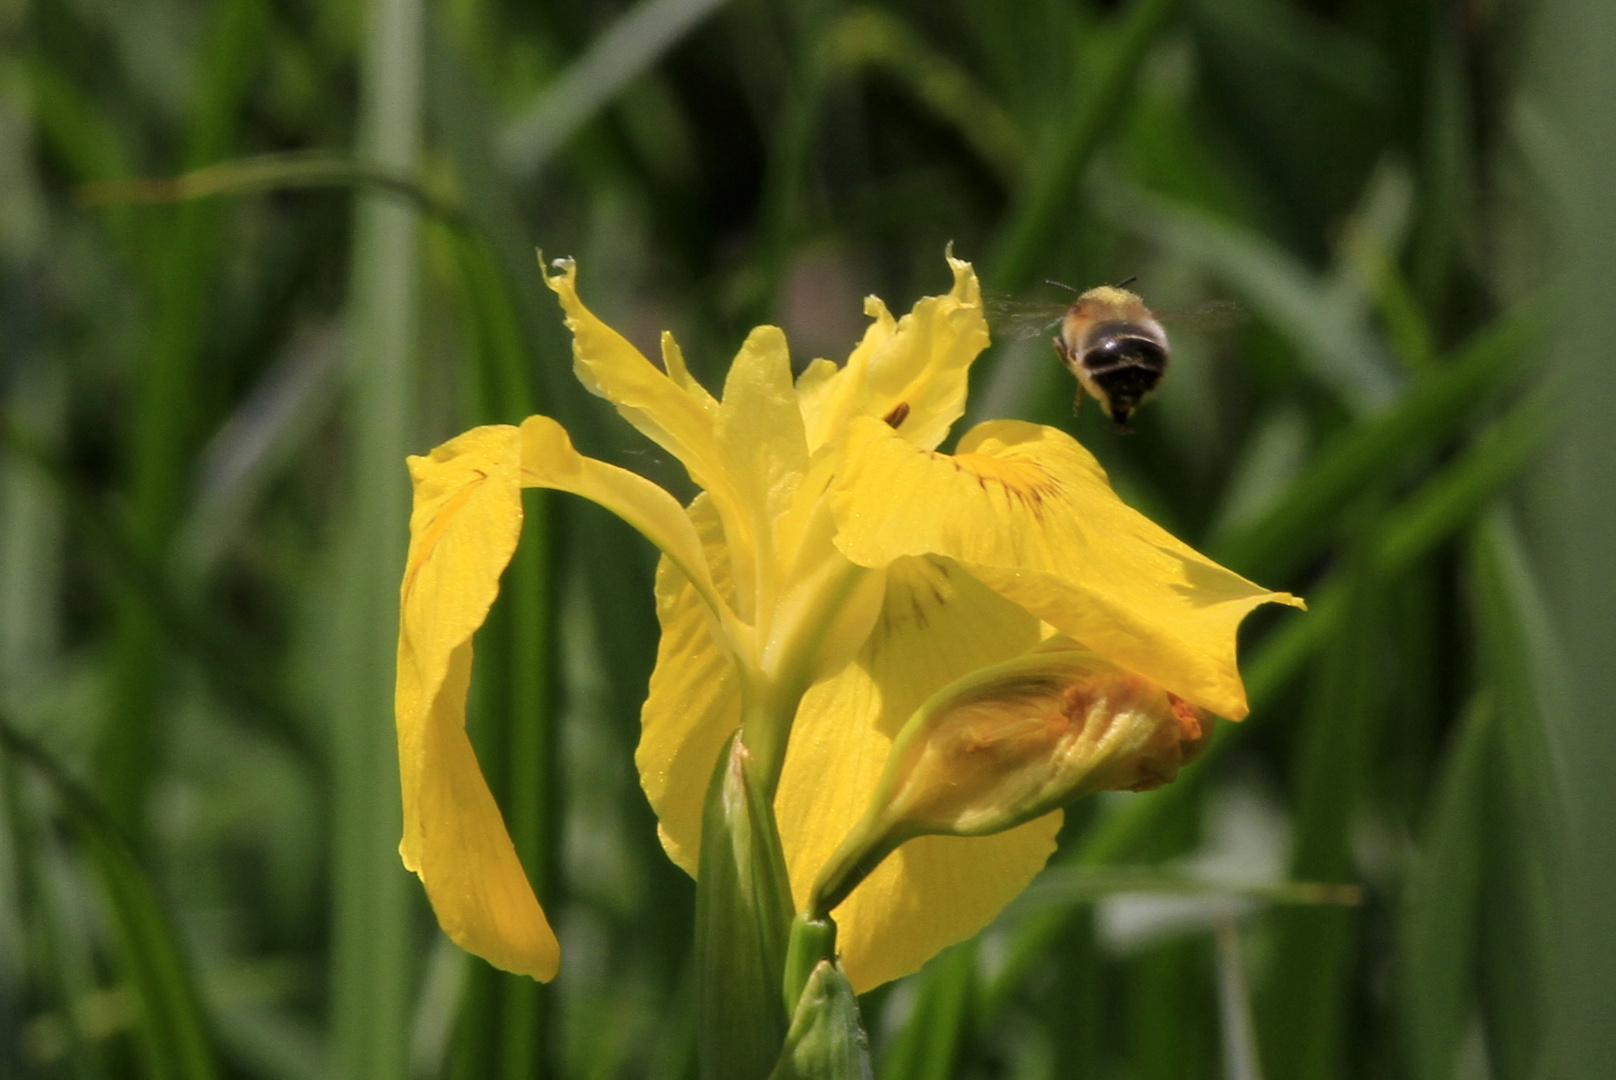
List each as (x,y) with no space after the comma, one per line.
(209,384)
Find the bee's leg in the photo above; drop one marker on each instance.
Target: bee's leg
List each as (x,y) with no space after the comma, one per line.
(1066,358)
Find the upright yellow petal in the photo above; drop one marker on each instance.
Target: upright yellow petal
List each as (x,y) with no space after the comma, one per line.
(911,373)
(760,435)
(936,624)
(463,530)
(673,412)
(926,364)
(694,703)
(830,395)
(1029,512)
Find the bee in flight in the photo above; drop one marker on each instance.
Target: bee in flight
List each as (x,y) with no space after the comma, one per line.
(1112,342)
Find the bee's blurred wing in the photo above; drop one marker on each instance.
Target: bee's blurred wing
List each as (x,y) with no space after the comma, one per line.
(1022,319)
(1211,316)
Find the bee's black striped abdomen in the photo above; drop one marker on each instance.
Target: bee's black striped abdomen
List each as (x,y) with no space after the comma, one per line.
(1125,366)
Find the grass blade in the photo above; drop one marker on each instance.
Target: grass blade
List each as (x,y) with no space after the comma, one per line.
(270,172)
(372,973)
(173,1027)
(628,48)
(1296,528)
(1303,1005)
(1046,193)
(1240,1060)
(1517,980)
(506,1015)
(164,426)
(930,1042)
(1440,905)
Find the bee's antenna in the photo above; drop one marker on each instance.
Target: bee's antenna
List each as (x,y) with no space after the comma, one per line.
(1059,285)
(1125,282)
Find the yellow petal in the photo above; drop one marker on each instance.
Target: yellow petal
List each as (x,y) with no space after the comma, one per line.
(830,396)
(937,623)
(913,372)
(1029,512)
(549,460)
(760,435)
(673,412)
(609,366)
(694,703)
(463,530)
(673,361)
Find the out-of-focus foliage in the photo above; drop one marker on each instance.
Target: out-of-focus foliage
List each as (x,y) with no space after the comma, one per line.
(208,387)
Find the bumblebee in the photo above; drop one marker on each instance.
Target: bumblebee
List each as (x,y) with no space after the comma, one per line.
(1115,347)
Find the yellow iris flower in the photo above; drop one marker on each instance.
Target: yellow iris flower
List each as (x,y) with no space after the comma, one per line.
(834,574)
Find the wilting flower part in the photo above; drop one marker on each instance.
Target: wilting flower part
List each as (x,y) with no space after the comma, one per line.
(835,574)
(1011,742)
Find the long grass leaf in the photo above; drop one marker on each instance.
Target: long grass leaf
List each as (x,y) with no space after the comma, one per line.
(1045,195)
(164,421)
(1063,885)
(1297,526)
(929,1044)
(173,1025)
(635,41)
(1240,1058)
(461,116)
(1459,493)
(1303,1003)
(372,969)
(1517,980)
(1437,976)
(1328,323)
(260,173)
(220,658)
(515,657)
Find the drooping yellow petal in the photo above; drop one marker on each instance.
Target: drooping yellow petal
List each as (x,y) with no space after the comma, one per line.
(549,460)
(694,703)
(1029,512)
(912,372)
(463,530)
(936,624)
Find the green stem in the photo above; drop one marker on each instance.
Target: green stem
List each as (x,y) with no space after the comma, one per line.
(812,940)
